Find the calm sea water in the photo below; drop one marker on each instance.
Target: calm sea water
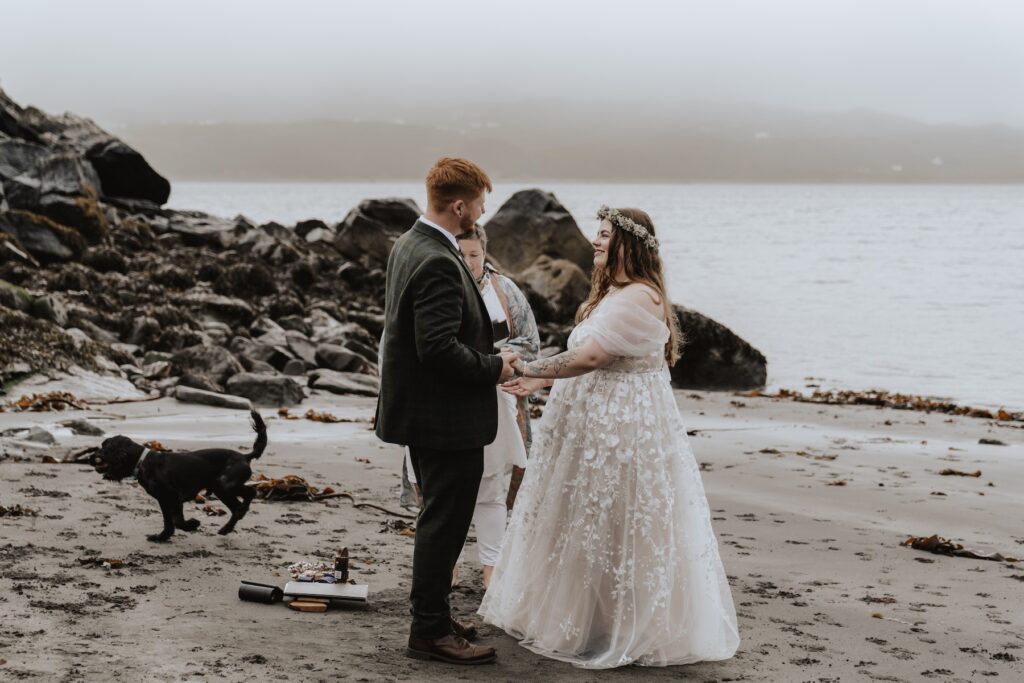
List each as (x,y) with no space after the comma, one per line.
(917,289)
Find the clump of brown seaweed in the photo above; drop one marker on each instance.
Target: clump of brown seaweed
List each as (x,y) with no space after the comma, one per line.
(53,400)
(886,399)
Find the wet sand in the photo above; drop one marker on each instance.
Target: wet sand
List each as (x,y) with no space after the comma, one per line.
(823,589)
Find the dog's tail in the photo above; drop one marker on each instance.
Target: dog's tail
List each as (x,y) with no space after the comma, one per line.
(261,436)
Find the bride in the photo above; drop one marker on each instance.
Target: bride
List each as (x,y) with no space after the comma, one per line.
(609,558)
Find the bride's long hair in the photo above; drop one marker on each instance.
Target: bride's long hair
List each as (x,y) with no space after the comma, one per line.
(640,263)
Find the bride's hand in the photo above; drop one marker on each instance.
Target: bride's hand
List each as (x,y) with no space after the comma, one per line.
(524,386)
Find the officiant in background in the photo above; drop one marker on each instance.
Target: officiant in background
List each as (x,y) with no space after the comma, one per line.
(514,328)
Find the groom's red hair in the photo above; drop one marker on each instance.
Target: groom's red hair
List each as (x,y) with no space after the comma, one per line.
(452,179)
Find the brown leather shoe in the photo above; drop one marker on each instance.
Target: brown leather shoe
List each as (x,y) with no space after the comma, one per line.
(464,629)
(452,649)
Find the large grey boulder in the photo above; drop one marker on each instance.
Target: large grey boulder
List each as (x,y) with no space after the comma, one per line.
(209,398)
(254,354)
(40,435)
(295,322)
(559,281)
(368,231)
(301,346)
(325,235)
(344,382)
(143,331)
(198,381)
(82,427)
(11,120)
(336,357)
(31,170)
(270,243)
(43,238)
(714,357)
(123,171)
(224,308)
(371,322)
(275,337)
(533,223)
(118,170)
(52,308)
(95,332)
(19,161)
(294,367)
(65,173)
(303,228)
(264,325)
(220,333)
(197,229)
(83,213)
(215,363)
(367,351)
(271,390)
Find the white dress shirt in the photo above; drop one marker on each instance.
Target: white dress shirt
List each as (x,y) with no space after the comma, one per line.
(435,226)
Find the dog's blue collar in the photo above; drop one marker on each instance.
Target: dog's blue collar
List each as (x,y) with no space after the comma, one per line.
(135,472)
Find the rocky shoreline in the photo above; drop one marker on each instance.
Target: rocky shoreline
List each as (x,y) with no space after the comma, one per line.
(96,274)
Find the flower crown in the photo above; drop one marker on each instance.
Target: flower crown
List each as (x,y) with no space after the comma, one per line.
(629,225)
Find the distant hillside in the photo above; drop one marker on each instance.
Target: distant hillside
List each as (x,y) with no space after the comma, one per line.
(550,141)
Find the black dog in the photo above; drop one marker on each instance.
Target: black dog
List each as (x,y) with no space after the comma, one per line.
(176,478)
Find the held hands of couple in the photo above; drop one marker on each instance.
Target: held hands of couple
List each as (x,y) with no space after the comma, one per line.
(509,358)
(524,386)
(515,383)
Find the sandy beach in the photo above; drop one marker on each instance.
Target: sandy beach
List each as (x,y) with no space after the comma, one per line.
(823,589)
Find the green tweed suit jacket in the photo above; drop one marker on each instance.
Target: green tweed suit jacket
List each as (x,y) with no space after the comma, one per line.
(438,369)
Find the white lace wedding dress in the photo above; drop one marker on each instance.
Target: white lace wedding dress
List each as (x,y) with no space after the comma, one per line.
(609,558)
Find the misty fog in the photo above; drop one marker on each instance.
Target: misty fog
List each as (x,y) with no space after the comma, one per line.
(132,62)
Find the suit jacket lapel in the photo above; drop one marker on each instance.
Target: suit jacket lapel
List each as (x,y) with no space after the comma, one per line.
(433,234)
(425,229)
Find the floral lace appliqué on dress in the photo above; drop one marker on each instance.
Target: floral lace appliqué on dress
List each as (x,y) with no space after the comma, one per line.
(609,558)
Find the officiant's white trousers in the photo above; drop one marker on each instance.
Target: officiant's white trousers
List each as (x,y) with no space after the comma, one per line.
(490,514)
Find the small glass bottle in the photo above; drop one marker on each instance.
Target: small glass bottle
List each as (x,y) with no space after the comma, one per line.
(341,566)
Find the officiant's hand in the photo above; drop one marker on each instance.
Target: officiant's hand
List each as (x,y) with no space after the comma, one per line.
(508,360)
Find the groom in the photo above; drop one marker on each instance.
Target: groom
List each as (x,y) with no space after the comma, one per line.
(437,396)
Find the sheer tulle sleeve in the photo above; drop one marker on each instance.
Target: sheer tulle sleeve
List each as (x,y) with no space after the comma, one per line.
(623,327)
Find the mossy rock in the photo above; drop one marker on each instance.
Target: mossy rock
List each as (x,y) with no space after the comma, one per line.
(43,237)
(13,296)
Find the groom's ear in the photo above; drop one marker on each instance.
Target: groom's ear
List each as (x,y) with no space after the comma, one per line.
(458,207)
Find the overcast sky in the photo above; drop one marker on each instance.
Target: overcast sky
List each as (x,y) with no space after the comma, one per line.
(141,61)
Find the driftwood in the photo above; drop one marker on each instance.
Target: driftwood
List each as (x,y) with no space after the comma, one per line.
(357,504)
(294,488)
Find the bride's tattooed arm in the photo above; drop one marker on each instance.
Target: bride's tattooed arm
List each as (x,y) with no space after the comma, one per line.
(551,367)
(574,362)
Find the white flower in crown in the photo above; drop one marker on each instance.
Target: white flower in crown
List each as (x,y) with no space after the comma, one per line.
(629,225)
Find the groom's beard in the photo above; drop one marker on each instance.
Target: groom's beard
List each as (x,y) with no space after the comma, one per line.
(466,224)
